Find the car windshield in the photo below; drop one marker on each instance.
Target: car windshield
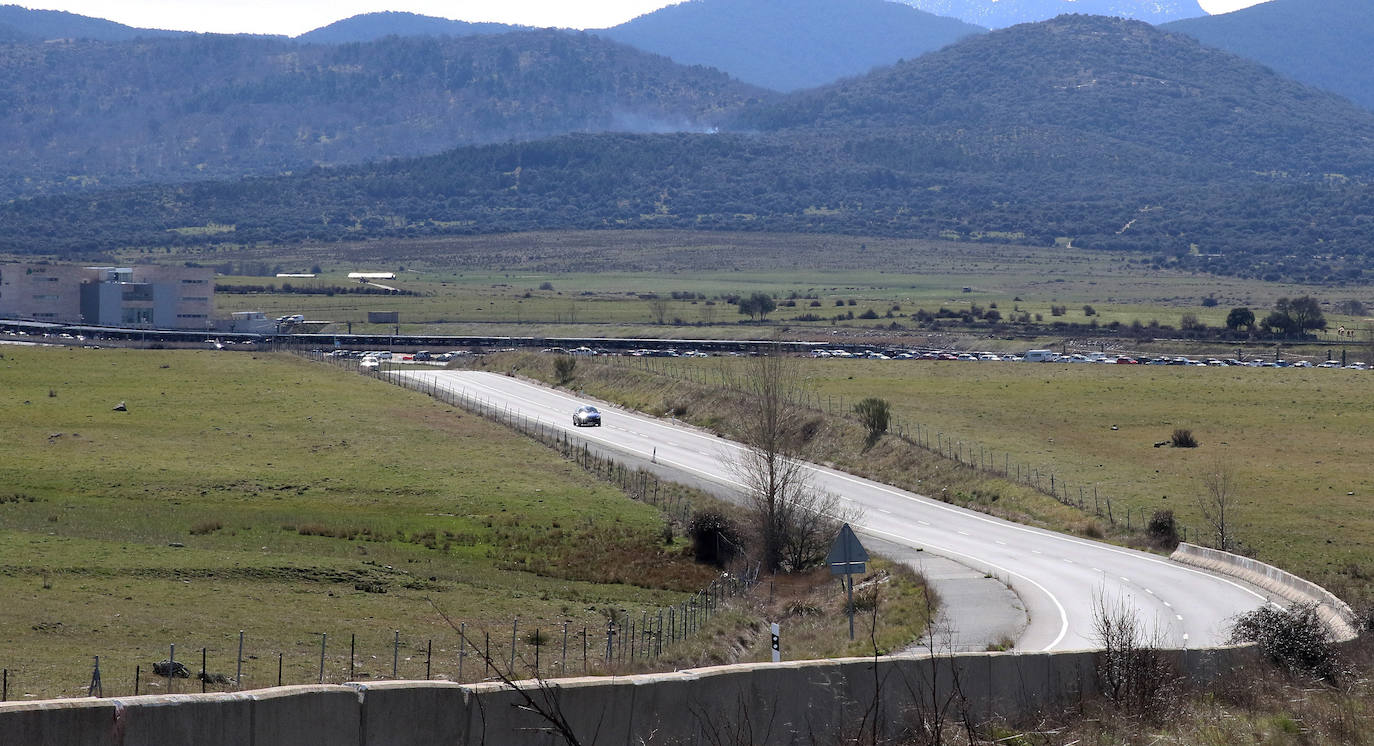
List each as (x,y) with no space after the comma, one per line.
(587,410)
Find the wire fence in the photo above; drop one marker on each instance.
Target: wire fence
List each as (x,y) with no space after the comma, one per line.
(966,452)
(628,639)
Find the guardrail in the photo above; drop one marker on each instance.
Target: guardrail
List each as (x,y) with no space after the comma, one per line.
(1337,615)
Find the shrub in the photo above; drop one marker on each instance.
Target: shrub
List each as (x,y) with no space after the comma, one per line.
(1294,638)
(563,367)
(546,286)
(869,314)
(1162,529)
(715,537)
(876,415)
(206,527)
(1183,438)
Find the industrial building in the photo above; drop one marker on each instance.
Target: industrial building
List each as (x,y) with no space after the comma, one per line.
(144,296)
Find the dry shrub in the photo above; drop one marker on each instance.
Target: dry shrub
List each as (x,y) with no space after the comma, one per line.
(206,527)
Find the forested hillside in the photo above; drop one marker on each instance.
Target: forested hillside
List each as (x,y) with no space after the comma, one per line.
(92,114)
(1099,132)
(787,45)
(1325,43)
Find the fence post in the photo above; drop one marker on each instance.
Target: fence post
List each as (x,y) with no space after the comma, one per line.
(171,664)
(429,656)
(396,654)
(324,636)
(202,669)
(352,648)
(238,669)
(513,629)
(462,648)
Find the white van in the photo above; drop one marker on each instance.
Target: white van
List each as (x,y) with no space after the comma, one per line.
(1039,356)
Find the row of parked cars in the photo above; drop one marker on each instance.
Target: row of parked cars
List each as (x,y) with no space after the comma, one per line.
(1049,356)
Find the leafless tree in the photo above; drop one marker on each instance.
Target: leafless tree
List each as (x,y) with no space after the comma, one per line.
(788,512)
(1218,503)
(658,307)
(1132,670)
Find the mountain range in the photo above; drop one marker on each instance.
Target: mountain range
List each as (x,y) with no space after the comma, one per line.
(1096,132)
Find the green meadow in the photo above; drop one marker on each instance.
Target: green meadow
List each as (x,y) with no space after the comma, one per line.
(602,283)
(1297,442)
(288,500)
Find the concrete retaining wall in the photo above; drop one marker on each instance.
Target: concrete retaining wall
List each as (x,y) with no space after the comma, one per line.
(1287,586)
(785,703)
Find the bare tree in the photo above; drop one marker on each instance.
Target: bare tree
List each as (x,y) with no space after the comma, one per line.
(787,511)
(1132,670)
(658,308)
(1218,503)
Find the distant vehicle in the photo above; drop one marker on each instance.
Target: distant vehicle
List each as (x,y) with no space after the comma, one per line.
(294,318)
(587,416)
(369,364)
(1039,356)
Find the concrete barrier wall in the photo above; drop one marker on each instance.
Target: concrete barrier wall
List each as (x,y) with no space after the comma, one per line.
(1292,589)
(785,703)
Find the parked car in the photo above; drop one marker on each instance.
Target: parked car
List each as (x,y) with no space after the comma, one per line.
(587,416)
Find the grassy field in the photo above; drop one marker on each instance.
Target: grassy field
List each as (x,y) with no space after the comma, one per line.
(600,282)
(291,500)
(1297,442)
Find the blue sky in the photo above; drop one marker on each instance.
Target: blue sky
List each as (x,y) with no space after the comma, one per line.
(292,17)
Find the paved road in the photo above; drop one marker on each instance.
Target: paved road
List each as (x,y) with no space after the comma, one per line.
(1058,577)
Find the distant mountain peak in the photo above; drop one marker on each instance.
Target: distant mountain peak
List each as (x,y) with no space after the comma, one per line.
(788,45)
(373,26)
(1003,13)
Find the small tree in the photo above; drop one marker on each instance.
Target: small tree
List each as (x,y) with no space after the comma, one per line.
(563,367)
(1240,317)
(1183,438)
(658,307)
(757,306)
(1217,503)
(876,415)
(1131,669)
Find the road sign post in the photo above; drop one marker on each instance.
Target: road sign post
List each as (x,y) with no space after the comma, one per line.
(847,557)
(777,647)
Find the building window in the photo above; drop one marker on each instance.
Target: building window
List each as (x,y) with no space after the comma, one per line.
(193,282)
(195,299)
(137,316)
(190,315)
(47,297)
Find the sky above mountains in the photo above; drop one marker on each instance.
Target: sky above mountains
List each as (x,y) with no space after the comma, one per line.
(293,17)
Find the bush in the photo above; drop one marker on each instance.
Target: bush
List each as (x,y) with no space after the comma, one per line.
(1162,529)
(1183,438)
(1294,638)
(563,367)
(715,538)
(876,415)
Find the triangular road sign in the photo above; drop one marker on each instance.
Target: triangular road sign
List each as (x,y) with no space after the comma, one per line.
(847,556)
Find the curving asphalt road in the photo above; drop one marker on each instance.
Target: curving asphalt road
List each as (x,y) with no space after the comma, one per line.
(1058,577)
